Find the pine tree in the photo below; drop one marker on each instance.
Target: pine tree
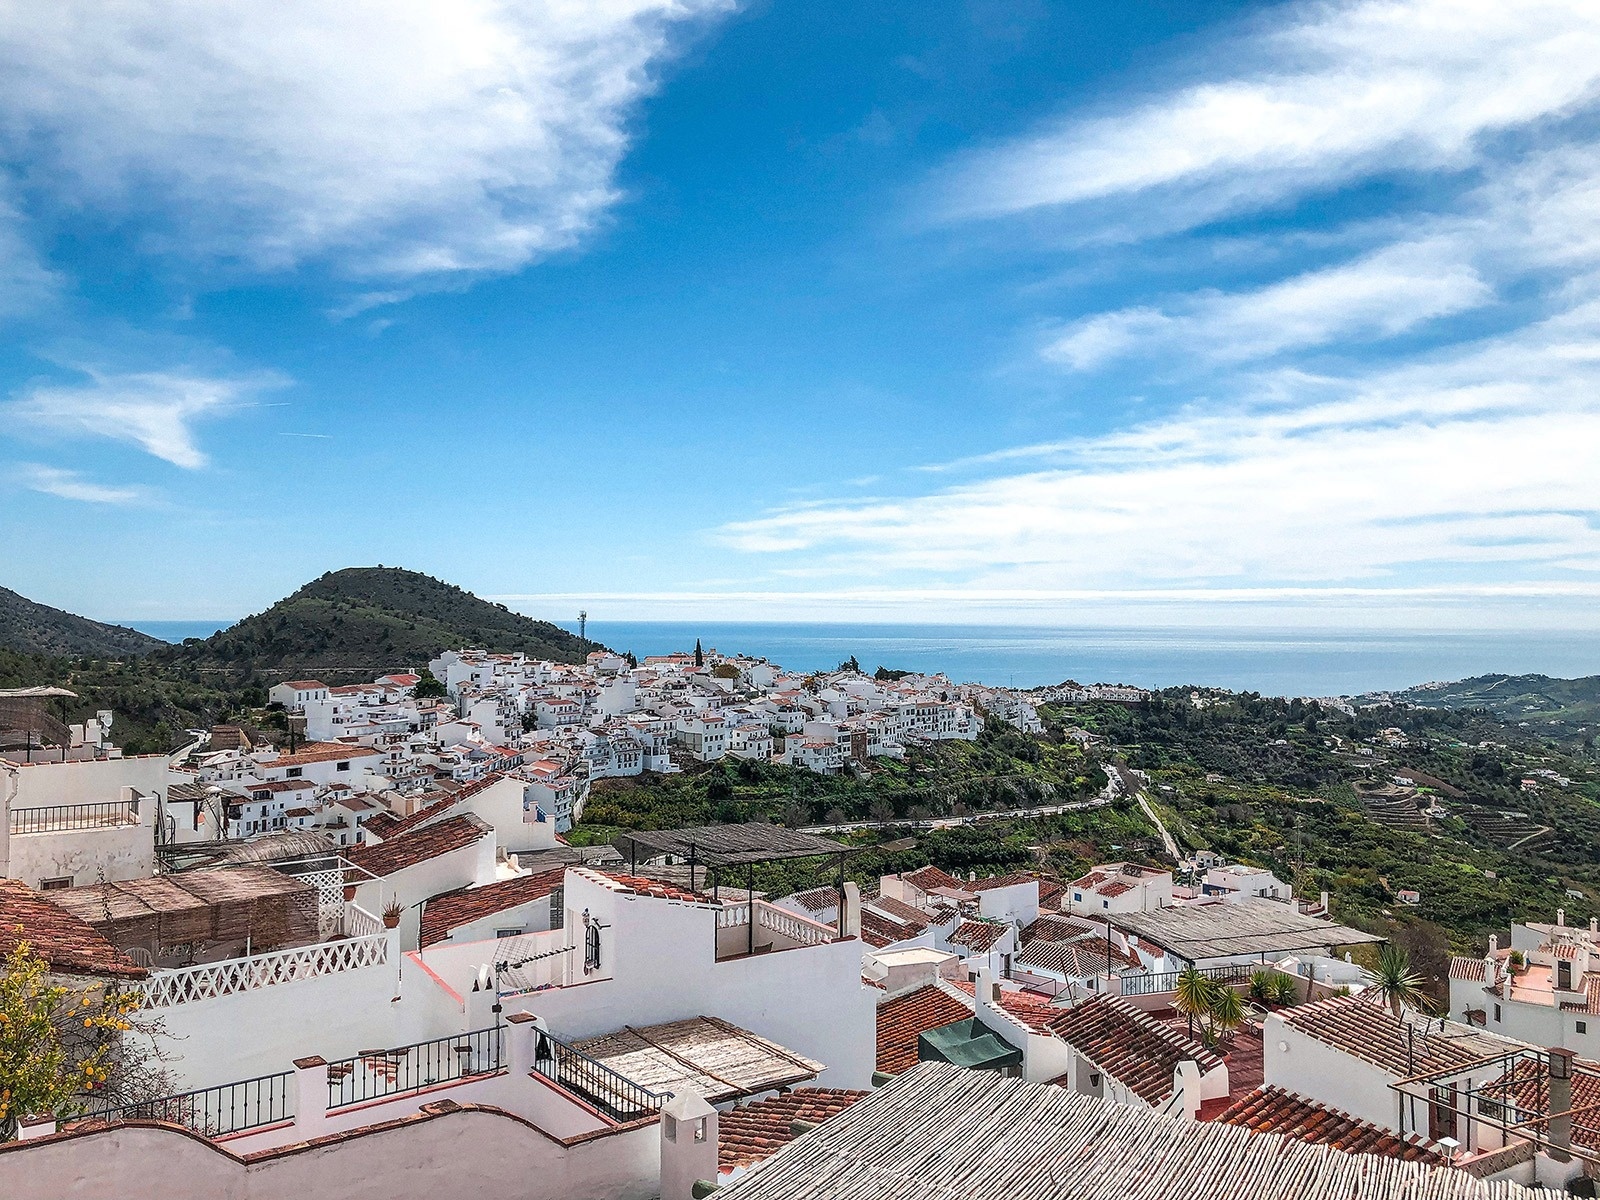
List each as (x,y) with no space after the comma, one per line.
(699,654)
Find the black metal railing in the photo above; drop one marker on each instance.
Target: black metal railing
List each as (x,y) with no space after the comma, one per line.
(617,1096)
(375,1074)
(214,1111)
(74,816)
(1155,982)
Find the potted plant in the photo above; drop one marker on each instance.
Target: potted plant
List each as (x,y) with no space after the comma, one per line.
(391,913)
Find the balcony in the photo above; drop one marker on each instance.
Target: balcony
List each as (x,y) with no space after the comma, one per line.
(772,929)
(366,946)
(57,818)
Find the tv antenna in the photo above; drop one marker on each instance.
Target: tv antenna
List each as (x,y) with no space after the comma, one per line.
(583,624)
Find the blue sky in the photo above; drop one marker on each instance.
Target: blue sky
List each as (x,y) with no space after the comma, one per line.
(1186,313)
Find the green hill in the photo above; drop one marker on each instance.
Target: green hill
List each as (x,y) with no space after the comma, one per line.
(361,622)
(1564,709)
(32,628)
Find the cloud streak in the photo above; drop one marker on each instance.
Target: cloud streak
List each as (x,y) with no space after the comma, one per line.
(405,142)
(70,485)
(156,411)
(1334,92)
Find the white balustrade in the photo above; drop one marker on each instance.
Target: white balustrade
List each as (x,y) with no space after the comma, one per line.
(188,984)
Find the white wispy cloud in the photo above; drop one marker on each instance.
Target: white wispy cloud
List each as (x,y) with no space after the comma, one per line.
(1480,458)
(392,140)
(1380,295)
(156,410)
(71,485)
(1307,448)
(1327,93)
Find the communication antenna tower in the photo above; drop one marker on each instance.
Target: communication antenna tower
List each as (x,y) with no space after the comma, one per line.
(583,624)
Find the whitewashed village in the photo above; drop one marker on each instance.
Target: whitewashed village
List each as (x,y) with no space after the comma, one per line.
(363,960)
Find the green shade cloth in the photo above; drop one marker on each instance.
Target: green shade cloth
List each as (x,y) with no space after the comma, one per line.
(969,1044)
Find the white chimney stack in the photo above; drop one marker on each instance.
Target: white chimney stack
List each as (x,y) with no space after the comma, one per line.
(1561,916)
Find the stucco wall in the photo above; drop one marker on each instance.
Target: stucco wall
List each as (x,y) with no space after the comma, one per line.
(661,958)
(108,854)
(263,1030)
(465,1153)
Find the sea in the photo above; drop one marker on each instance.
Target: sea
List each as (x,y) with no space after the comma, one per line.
(1274,662)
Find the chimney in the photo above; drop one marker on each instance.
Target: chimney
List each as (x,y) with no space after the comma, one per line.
(1560,1110)
(1324,900)
(1494,942)
(850,910)
(1594,924)
(987,991)
(1186,1081)
(688,1145)
(1561,916)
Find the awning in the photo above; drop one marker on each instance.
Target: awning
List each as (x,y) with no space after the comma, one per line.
(968,1043)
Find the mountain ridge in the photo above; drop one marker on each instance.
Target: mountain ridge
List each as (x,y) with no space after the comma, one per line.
(29,627)
(359,622)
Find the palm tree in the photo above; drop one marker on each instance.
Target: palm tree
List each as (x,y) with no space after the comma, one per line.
(1191,995)
(1395,982)
(1227,1010)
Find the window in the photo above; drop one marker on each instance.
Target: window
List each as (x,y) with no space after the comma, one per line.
(1496,1012)
(1583,1027)
(1077,895)
(294,772)
(344,766)
(508,933)
(1105,904)
(56,884)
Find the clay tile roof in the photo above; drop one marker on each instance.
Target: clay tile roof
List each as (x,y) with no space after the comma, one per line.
(903,1017)
(878,931)
(1052,928)
(748,1135)
(906,914)
(1130,1045)
(419,845)
(1035,1014)
(1468,968)
(1075,960)
(301,685)
(638,885)
(1116,888)
(68,943)
(932,877)
(978,935)
(451,910)
(315,752)
(817,899)
(383,825)
(1368,1031)
(1273,1110)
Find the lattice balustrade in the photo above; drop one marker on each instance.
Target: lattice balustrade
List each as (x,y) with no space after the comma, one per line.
(330,899)
(206,982)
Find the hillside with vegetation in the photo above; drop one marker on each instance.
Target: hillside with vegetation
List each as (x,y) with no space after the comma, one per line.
(28,627)
(355,624)
(1566,709)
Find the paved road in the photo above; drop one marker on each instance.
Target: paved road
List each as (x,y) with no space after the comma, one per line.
(1009,814)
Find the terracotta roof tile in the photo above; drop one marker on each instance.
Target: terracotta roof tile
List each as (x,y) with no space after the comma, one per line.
(315,752)
(978,936)
(451,910)
(638,885)
(932,877)
(1368,1031)
(419,845)
(1273,1110)
(903,1017)
(68,943)
(748,1135)
(1468,968)
(1129,1044)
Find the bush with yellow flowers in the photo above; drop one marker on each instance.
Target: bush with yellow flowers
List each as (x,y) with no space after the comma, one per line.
(55,1041)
